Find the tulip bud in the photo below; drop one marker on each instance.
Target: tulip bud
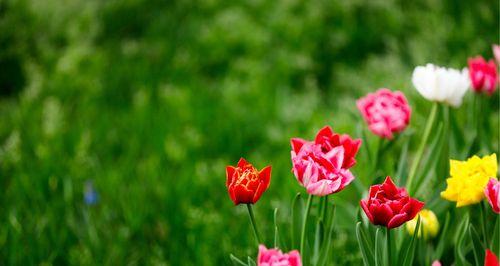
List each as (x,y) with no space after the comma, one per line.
(429,224)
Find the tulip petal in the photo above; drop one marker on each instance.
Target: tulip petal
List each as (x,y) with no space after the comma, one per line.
(229,174)
(242,162)
(325,132)
(398,220)
(265,175)
(297,144)
(365,208)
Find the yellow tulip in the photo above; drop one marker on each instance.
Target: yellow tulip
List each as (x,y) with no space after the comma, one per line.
(469,178)
(429,224)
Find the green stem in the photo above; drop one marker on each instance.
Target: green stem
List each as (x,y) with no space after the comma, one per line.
(420,151)
(483,224)
(389,251)
(304,223)
(254,225)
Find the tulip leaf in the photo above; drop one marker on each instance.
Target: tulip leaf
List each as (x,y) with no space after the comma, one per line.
(477,246)
(434,152)
(402,165)
(325,248)
(317,241)
(366,249)
(410,251)
(297,206)
(442,238)
(276,236)
(496,237)
(236,261)
(460,250)
(378,249)
(251,262)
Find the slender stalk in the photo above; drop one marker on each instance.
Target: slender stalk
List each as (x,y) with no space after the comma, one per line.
(304,223)
(254,225)
(483,224)
(420,151)
(389,251)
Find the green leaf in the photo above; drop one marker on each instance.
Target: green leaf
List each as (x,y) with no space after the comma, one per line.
(325,248)
(442,238)
(431,161)
(317,241)
(236,261)
(366,249)
(477,246)
(276,234)
(410,251)
(251,262)
(460,250)
(378,249)
(496,235)
(403,165)
(297,207)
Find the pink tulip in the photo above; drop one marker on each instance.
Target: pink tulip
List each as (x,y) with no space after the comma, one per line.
(492,191)
(274,257)
(386,112)
(483,75)
(436,263)
(322,166)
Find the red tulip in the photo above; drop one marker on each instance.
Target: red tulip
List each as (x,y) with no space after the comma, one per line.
(245,184)
(389,205)
(483,75)
(491,259)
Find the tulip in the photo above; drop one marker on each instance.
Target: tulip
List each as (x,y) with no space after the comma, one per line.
(274,257)
(436,263)
(468,179)
(491,259)
(483,75)
(322,166)
(390,206)
(429,224)
(441,84)
(385,112)
(492,191)
(245,184)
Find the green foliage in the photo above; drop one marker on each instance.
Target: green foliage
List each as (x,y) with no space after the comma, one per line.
(152,99)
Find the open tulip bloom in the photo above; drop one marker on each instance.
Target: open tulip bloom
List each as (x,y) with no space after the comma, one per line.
(441,84)
(483,75)
(274,257)
(385,112)
(322,166)
(245,184)
(390,206)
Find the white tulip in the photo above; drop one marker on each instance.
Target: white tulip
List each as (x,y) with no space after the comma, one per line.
(441,84)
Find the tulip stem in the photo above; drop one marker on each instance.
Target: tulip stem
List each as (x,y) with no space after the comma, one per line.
(389,252)
(254,225)
(304,223)
(483,224)
(420,151)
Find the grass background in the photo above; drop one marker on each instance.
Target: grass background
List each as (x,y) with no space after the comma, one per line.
(152,99)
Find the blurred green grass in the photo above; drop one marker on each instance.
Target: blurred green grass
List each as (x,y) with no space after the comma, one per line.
(151,99)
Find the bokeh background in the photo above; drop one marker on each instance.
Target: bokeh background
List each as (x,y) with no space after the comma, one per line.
(140,105)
